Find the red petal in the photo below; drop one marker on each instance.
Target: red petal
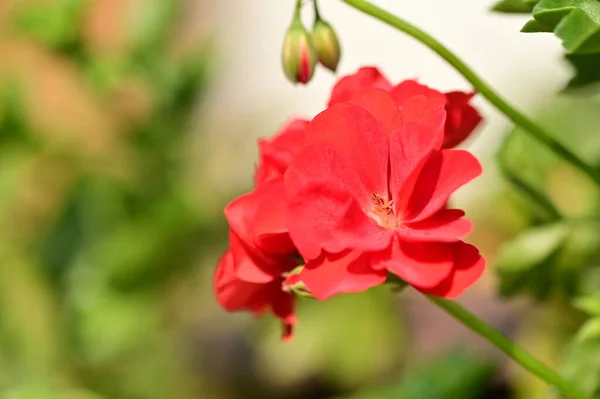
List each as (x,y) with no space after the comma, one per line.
(362,161)
(257,218)
(250,264)
(446,225)
(240,214)
(468,268)
(269,227)
(409,88)
(323,215)
(283,307)
(382,107)
(411,145)
(422,264)
(461,120)
(277,152)
(234,294)
(356,84)
(345,272)
(445,172)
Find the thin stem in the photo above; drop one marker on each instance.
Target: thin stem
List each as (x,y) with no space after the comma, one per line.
(482,87)
(510,348)
(297,10)
(317,14)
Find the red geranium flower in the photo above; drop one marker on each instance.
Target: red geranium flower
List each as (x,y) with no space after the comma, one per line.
(367,194)
(250,274)
(264,295)
(277,152)
(461,120)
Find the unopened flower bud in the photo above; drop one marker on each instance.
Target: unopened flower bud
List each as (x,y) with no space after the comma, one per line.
(327,44)
(298,57)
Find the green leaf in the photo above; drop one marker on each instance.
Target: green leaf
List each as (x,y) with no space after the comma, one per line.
(590,330)
(533,26)
(575,22)
(588,304)
(531,248)
(587,70)
(55,23)
(582,365)
(514,6)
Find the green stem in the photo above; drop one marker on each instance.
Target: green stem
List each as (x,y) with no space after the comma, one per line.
(510,348)
(482,87)
(317,14)
(297,10)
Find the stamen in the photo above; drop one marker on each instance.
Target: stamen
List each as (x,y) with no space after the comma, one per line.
(381,207)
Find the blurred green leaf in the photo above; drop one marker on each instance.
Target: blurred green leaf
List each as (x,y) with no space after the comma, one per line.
(582,365)
(454,375)
(113,325)
(590,330)
(588,304)
(528,174)
(531,248)
(514,6)
(153,22)
(55,23)
(549,260)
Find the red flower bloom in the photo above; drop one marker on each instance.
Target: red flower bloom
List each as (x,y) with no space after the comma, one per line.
(277,152)
(264,295)
(354,85)
(366,196)
(250,274)
(461,120)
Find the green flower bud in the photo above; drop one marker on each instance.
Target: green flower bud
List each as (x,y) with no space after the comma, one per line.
(298,56)
(326,44)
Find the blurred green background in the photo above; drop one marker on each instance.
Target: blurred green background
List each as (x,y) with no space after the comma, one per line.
(111,225)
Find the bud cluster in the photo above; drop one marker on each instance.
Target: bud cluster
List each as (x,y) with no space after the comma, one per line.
(303,49)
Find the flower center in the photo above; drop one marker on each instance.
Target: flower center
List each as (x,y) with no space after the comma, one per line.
(383,211)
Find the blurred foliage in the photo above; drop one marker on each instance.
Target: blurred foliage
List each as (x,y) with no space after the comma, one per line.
(97,218)
(457,374)
(555,257)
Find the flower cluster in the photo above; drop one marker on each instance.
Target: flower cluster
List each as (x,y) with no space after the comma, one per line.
(356,193)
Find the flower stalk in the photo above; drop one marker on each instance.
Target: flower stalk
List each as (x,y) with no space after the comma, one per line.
(478,83)
(509,347)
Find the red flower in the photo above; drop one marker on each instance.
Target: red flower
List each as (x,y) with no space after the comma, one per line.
(250,274)
(236,294)
(354,85)
(367,194)
(277,152)
(461,120)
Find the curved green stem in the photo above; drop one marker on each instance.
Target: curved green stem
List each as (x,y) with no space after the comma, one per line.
(479,84)
(510,348)
(297,10)
(317,14)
